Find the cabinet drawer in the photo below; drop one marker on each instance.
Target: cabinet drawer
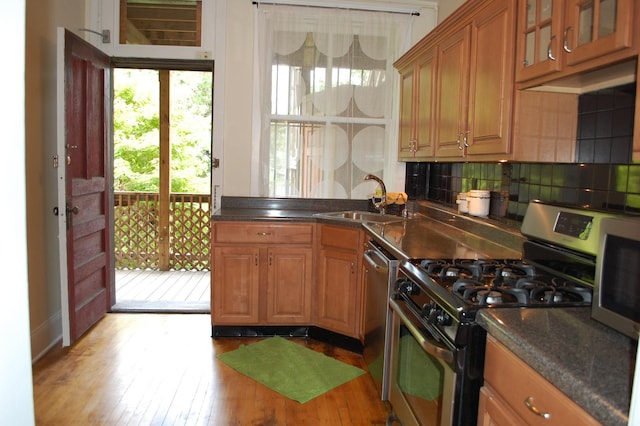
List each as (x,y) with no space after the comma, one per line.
(252,232)
(339,237)
(516,382)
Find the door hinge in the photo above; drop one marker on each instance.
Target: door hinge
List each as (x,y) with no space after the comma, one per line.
(215,163)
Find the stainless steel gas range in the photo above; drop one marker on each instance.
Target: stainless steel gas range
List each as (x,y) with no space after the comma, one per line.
(437,349)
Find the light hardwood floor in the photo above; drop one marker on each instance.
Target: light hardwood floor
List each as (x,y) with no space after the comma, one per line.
(161,369)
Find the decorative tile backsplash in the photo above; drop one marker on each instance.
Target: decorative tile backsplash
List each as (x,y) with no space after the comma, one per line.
(603,176)
(613,187)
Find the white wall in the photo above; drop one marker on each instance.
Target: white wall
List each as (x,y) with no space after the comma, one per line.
(446,7)
(42,19)
(16,390)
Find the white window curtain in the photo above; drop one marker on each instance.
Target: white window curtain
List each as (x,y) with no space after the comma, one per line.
(326,98)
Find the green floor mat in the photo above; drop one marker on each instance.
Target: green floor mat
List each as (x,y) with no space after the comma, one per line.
(294,371)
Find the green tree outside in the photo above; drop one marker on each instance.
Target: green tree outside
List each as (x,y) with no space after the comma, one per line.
(136,130)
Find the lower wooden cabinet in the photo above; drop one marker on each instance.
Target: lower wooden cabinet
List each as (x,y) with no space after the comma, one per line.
(287,274)
(262,274)
(514,393)
(338,294)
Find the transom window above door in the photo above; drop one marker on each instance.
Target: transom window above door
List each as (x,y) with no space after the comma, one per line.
(161,22)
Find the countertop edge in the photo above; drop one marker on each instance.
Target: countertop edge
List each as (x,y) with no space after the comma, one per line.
(498,323)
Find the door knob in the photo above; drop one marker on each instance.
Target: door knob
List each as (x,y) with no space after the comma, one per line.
(73,209)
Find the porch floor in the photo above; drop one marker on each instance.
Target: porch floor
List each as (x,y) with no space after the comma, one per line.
(162,291)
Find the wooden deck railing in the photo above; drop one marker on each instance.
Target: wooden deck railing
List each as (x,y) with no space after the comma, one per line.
(139,232)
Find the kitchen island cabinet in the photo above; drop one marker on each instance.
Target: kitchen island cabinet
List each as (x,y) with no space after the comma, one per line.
(338,297)
(262,273)
(514,393)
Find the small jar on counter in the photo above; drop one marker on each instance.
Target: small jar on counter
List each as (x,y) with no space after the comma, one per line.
(478,200)
(461,201)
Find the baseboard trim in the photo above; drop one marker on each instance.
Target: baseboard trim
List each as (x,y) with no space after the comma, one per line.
(46,336)
(317,333)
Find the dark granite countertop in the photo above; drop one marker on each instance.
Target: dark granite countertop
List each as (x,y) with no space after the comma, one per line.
(586,360)
(431,232)
(283,209)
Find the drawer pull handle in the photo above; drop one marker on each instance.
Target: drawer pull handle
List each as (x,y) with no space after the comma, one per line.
(529,403)
(264,234)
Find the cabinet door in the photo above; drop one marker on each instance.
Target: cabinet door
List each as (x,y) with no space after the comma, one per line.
(406,126)
(491,84)
(235,285)
(492,411)
(452,92)
(337,303)
(289,285)
(424,124)
(415,140)
(539,38)
(595,28)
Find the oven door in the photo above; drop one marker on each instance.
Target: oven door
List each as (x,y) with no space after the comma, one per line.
(422,375)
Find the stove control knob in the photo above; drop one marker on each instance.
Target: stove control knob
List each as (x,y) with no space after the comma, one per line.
(439,317)
(427,309)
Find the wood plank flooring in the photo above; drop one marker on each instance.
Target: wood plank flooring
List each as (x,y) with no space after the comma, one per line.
(161,369)
(162,291)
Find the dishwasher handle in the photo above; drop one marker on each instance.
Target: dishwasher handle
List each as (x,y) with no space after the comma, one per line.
(376,260)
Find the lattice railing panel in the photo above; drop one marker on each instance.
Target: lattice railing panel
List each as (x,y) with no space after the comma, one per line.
(189,232)
(136,231)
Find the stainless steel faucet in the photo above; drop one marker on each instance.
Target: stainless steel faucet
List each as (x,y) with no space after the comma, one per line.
(382,204)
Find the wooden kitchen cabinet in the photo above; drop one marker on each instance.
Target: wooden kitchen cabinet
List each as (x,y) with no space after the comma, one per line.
(338,296)
(473,53)
(262,273)
(415,140)
(558,38)
(509,384)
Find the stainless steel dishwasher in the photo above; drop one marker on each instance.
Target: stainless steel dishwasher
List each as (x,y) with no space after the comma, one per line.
(380,269)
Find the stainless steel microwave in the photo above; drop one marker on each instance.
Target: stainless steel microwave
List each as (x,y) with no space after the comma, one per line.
(616,300)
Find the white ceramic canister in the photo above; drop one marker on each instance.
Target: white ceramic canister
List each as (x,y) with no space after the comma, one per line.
(478,201)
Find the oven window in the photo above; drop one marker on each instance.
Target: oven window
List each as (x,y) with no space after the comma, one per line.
(420,378)
(620,277)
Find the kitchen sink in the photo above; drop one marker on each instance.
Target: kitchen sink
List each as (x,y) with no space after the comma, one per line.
(360,216)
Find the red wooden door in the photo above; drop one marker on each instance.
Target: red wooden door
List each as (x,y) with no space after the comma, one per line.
(87,135)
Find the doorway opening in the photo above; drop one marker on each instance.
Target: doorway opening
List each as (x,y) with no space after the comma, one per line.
(162,119)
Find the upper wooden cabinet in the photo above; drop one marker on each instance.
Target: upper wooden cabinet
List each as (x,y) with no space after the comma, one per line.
(571,36)
(473,55)
(415,141)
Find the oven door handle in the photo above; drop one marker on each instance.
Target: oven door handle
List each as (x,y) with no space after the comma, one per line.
(429,344)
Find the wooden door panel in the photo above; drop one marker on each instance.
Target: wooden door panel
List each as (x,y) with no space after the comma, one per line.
(492,68)
(87,77)
(288,287)
(235,289)
(452,93)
